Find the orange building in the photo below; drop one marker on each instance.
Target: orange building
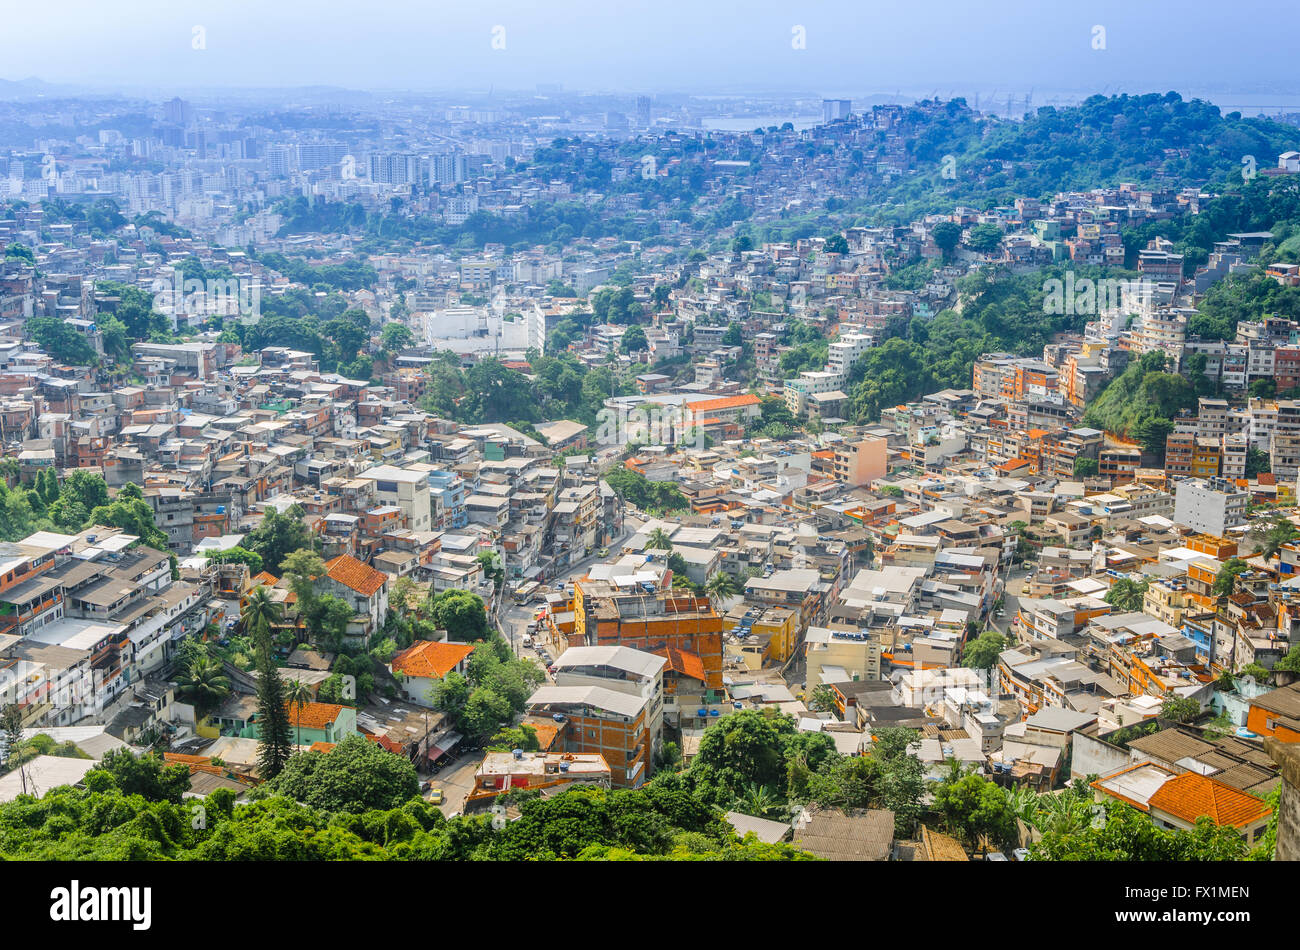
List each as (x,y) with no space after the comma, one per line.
(1276,714)
(649,619)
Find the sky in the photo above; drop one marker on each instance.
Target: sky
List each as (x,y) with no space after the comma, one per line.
(817,47)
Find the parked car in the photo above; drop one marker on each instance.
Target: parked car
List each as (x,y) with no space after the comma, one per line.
(435,796)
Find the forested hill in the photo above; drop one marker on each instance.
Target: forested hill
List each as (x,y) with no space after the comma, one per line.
(1153,139)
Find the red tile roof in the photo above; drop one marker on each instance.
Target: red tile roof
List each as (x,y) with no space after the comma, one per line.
(351,573)
(1189,796)
(313,715)
(683,661)
(726,402)
(431,659)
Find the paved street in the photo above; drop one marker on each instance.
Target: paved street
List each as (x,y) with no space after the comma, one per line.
(516,617)
(1010,603)
(456,780)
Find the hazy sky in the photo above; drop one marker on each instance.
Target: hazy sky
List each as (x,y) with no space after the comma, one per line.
(852,46)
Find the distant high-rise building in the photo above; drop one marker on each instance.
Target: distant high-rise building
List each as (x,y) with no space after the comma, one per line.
(448,169)
(395,168)
(323,155)
(643,112)
(279,160)
(177,111)
(833,109)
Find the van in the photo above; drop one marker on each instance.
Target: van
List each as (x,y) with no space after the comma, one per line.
(528,640)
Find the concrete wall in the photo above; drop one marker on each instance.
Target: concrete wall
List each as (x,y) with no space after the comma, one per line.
(1287,756)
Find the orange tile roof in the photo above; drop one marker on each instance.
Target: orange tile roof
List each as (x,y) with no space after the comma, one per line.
(431,659)
(547,730)
(322,746)
(1189,796)
(267,578)
(683,661)
(384,742)
(351,573)
(313,715)
(726,402)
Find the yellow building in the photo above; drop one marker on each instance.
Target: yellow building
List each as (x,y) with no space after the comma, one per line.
(773,629)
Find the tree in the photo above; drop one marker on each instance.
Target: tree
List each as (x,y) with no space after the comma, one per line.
(984,238)
(1281,531)
(977,810)
(396,337)
(450,694)
(490,562)
(301,569)
(11,722)
(279,535)
(822,699)
(461,613)
(260,613)
(145,775)
(758,801)
(1257,460)
(946,236)
(355,776)
(634,340)
(1225,582)
(484,712)
(273,748)
(982,653)
(297,694)
(510,738)
(1085,467)
(1180,709)
(837,244)
(203,684)
(741,750)
(236,555)
(721,586)
(1127,594)
(61,340)
(658,540)
(1291,661)
(1126,834)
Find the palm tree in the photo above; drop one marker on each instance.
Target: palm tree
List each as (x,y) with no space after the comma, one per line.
(297,694)
(822,699)
(721,586)
(757,800)
(1025,803)
(204,684)
(1281,532)
(1127,594)
(659,540)
(260,613)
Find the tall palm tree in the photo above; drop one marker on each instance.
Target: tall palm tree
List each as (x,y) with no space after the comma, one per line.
(259,614)
(721,586)
(204,684)
(297,694)
(659,540)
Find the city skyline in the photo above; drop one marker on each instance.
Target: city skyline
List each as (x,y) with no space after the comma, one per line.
(835,49)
